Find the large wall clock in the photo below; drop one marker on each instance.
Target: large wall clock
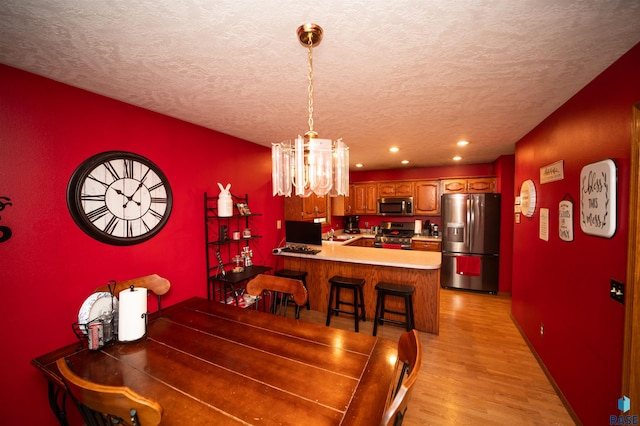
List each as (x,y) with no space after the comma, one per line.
(119,198)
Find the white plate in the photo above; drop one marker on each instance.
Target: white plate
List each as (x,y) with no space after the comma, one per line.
(95,305)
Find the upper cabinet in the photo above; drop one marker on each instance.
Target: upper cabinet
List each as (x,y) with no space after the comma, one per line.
(426,198)
(364,198)
(395,189)
(341,205)
(305,208)
(469,185)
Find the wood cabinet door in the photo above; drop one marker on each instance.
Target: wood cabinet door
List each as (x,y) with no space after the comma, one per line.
(427,198)
(386,189)
(371,198)
(359,199)
(481,185)
(450,186)
(404,189)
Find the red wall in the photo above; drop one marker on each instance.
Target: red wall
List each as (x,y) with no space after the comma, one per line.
(49,266)
(565,285)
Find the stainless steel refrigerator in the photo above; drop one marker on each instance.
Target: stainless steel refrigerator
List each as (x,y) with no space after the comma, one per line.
(470,242)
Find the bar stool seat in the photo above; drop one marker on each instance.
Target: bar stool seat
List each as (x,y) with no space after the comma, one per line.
(296,275)
(396,290)
(352,284)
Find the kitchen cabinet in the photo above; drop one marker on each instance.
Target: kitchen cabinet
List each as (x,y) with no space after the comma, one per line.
(365,198)
(341,205)
(362,242)
(426,198)
(426,245)
(469,185)
(395,189)
(306,208)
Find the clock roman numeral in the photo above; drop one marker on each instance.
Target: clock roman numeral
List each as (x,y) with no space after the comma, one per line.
(158,200)
(98,180)
(156,186)
(111,225)
(97,213)
(144,177)
(128,168)
(155,213)
(93,197)
(111,170)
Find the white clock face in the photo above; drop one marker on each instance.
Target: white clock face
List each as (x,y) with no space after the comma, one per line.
(528,198)
(119,198)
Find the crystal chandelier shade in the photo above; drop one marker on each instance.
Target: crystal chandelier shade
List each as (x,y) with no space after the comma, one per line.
(309,164)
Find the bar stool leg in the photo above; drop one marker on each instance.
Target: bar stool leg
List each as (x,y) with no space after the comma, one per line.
(329,309)
(364,316)
(375,318)
(355,308)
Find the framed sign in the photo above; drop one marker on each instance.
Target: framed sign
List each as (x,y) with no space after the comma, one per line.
(598,199)
(565,222)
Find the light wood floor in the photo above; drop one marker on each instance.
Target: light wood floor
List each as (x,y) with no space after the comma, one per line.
(477,371)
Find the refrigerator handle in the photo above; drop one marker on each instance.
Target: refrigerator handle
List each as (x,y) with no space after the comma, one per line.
(470,220)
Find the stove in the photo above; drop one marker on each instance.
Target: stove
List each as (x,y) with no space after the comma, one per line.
(394,235)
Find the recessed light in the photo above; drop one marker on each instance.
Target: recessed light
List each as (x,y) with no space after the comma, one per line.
(405,161)
(462,143)
(457,158)
(394,149)
(359,165)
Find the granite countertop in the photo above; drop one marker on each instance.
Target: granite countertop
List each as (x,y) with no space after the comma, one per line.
(339,251)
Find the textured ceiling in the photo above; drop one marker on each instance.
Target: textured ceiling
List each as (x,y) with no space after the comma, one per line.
(417,74)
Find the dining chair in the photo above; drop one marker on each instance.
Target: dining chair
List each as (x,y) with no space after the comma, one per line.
(102,405)
(153,283)
(407,368)
(281,289)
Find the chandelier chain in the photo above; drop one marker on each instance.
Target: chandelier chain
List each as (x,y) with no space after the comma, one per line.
(310,88)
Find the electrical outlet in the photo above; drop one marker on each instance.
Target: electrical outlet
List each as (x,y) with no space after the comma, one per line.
(542,330)
(616,291)
(278,224)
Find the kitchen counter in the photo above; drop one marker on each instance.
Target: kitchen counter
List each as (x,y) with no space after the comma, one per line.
(339,251)
(418,268)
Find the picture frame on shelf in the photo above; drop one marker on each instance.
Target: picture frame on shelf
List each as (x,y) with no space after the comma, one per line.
(243,209)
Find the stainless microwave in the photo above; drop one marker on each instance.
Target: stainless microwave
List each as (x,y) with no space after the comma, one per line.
(395,206)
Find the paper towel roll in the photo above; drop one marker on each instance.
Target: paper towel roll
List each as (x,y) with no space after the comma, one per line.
(132,314)
(418,227)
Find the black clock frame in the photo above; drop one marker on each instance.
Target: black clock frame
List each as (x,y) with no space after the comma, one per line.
(74,202)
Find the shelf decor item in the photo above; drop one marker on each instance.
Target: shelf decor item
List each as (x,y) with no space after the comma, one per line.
(225,202)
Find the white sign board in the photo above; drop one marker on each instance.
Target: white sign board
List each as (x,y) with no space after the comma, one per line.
(565,222)
(598,198)
(552,172)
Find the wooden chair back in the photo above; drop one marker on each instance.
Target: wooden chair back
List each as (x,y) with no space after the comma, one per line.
(97,402)
(408,364)
(281,285)
(154,283)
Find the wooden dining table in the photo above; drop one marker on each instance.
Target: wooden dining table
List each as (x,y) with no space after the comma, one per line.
(207,363)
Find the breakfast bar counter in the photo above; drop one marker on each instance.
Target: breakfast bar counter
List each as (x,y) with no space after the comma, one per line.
(418,268)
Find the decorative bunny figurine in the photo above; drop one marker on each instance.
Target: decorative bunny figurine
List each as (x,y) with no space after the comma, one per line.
(225,203)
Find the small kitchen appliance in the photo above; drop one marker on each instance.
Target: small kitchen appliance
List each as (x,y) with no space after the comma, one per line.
(396,235)
(351,225)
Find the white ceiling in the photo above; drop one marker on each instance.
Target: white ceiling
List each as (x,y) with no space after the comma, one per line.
(417,74)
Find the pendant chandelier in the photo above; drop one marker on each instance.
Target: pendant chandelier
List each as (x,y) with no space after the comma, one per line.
(310,164)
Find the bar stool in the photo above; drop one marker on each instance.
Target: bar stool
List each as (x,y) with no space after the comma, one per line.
(296,275)
(397,290)
(353,284)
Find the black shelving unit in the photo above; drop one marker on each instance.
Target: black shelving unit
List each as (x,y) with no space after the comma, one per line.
(221,248)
